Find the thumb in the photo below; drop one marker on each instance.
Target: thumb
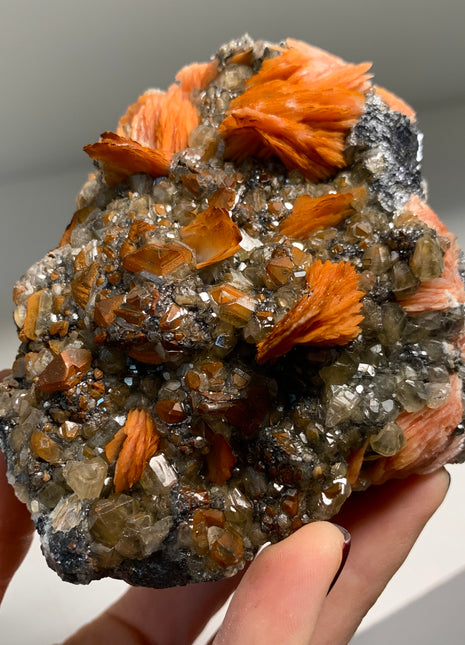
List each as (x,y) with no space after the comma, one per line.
(281,595)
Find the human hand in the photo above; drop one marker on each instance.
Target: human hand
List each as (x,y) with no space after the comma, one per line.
(283,597)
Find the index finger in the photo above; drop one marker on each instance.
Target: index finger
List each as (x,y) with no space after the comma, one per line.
(16,529)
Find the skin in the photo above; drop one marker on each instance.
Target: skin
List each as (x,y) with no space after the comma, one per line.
(283,596)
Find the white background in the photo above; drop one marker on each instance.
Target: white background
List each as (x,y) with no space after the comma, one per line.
(67,72)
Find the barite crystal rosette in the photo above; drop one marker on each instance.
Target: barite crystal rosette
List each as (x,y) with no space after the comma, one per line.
(252,313)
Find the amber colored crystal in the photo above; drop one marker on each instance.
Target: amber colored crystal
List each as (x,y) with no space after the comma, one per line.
(65,370)
(191,181)
(109,517)
(202,520)
(227,550)
(157,258)
(32,311)
(280,269)
(434,294)
(170,411)
(213,235)
(212,369)
(233,303)
(137,304)
(82,284)
(138,229)
(58,303)
(223,198)
(80,261)
(125,248)
(18,291)
(192,380)
(131,315)
(60,327)
(427,261)
(45,447)
(146,353)
(355,463)
(239,380)
(193,498)
(290,505)
(171,319)
(245,57)
(211,517)
(220,460)
(105,310)
(248,413)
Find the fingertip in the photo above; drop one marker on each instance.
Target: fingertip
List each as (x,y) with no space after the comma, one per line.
(325,538)
(444,477)
(13,513)
(290,579)
(16,530)
(434,487)
(314,549)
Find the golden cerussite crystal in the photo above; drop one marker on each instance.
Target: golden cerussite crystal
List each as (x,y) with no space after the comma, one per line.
(252,313)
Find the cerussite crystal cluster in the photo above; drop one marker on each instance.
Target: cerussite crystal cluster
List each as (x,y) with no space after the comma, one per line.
(252,313)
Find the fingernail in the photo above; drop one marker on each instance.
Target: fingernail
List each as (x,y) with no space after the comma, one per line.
(345,553)
(450,479)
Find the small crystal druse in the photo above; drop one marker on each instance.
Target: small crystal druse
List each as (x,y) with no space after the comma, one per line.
(252,313)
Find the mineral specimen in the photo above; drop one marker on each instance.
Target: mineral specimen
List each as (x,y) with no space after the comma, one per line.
(252,313)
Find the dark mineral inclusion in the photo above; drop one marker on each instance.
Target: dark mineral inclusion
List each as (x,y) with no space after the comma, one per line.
(140,429)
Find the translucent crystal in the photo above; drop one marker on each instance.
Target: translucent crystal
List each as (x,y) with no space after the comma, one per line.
(238,508)
(163,471)
(342,403)
(389,440)
(393,320)
(86,478)
(109,517)
(427,262)
(66,514)
(404,282)
(205,140)
(4,402)
(377,258)
(37,363)
(51,495)
(412,395)
(44,447)
(141,536)
(437,394)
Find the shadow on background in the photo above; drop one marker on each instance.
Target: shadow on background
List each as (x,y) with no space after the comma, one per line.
(430,619)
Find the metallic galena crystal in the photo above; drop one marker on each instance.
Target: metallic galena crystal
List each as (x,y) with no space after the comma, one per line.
(252,313)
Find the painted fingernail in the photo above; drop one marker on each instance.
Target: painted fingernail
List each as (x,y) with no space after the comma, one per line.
(345,553)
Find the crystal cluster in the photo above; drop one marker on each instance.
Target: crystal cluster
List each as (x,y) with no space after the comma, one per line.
(252,313)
